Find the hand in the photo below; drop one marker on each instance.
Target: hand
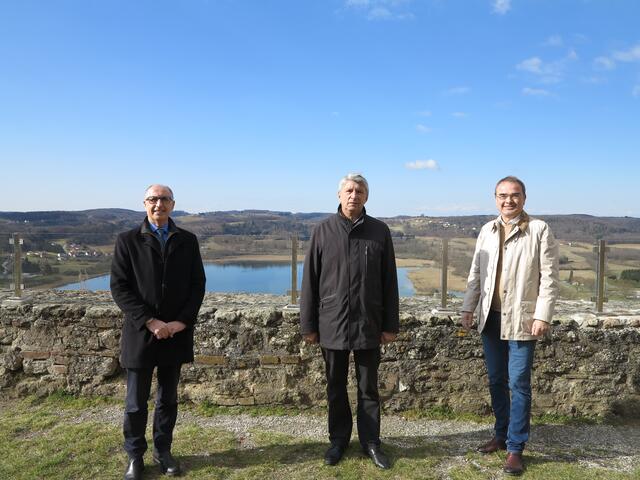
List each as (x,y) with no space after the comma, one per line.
(388,337)
(539,328)
(467,320)
(159,328)
(175,327)
(311,337)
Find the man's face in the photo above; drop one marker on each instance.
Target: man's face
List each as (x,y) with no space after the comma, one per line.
(352,198)
(159,204)
(509,199)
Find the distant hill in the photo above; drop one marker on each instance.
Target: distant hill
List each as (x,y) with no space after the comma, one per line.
(98,226)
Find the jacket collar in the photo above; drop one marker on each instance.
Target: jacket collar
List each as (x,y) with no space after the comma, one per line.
(348,224)
(149,237)
(146,227)
(522,224)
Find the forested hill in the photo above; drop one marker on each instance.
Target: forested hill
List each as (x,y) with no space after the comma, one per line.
(101,224)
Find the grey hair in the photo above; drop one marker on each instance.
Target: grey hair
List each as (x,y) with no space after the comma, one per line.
(512,179)
(354,177)
(167,187)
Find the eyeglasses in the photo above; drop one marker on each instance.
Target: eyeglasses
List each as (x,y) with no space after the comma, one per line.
(513,196)
(156,199)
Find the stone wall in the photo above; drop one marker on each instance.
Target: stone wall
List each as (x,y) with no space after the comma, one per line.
(249,352)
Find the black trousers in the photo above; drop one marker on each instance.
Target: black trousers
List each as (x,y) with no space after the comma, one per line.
(368,412)
(135,412)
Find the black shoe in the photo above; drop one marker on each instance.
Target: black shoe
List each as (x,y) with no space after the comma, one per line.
(168,464)
(378,457)
(333,455)
(134,469)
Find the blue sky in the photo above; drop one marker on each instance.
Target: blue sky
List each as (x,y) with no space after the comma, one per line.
(267,103)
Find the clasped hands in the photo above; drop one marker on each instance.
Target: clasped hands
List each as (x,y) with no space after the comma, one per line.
(386,337)
(162,330)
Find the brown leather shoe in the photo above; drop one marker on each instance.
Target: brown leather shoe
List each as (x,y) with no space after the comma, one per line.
(492,445)
(513,465)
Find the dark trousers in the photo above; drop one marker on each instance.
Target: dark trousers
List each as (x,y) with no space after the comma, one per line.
(368,412)
(135,412)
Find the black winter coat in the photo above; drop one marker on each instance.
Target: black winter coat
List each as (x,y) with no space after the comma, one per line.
(147,282)
(349,284)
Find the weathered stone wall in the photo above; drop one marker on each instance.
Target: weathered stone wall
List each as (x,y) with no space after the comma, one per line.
(249,352)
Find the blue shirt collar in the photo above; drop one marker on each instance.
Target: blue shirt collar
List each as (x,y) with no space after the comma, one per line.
(164,231)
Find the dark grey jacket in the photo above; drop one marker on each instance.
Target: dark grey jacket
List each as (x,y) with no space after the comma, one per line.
(149,282)
(350,284)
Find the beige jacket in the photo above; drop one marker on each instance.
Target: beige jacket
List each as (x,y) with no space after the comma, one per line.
(529,277)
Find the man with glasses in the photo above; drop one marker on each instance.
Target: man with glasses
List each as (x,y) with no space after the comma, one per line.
(157,280)
(514,283)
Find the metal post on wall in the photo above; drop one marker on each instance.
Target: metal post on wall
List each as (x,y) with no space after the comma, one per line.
(294,274)
(443,273)
(18,298)
(601,250)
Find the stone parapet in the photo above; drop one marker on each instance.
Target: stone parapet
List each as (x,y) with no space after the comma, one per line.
(249,352)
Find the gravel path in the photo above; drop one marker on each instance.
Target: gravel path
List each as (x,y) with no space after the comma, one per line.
(613,447)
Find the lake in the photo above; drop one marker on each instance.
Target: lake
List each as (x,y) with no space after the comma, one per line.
(254,277)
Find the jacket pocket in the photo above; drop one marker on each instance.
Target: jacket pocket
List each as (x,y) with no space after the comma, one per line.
(329,301)
(527,308)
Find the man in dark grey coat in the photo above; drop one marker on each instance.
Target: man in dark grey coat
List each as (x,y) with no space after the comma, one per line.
(157,280)
(349,303)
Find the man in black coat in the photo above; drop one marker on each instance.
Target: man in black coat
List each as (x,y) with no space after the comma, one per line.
(157,280)
(350,302)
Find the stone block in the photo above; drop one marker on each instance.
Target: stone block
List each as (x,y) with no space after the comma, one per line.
(290,359)
(213,360)
(58,369)
(269,360)
(613,323)
(107,322)
(36,354)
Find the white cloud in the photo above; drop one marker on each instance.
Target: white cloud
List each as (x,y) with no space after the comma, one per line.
(423,128)
(631,55)
(501,6)
(462,90)
(381,9)
(547,72)
(636,91)
(609,62)
(379,13)
(425,113)
(459,114)
(532,65)
(422,165)
(535,92)
(604,63)
(553,41)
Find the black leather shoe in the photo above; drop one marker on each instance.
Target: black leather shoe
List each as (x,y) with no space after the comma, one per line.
(378,457)
(134,469)
(333,455)
(168,464)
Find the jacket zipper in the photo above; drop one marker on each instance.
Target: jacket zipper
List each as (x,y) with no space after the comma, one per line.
(366,261)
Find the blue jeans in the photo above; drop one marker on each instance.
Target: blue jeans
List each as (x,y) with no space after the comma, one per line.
(509,364)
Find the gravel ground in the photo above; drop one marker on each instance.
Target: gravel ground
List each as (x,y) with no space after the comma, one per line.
(608,446)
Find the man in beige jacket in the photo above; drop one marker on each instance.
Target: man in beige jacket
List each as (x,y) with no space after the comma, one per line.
(514,283)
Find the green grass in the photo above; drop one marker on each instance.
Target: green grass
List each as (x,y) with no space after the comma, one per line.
(44,439)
